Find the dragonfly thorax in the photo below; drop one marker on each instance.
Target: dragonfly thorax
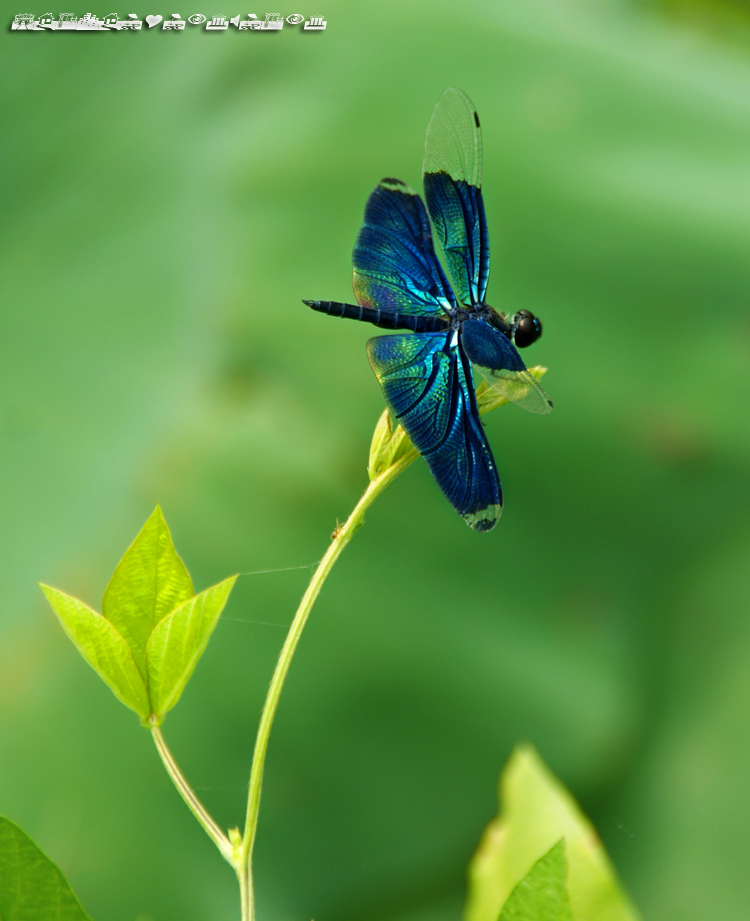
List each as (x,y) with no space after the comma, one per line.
(523,329)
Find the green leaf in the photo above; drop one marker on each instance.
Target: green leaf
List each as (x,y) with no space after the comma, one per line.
(389,444)
(148,583)
(31,886)
(537,811)
(178,642)
(103,648)
(541,895)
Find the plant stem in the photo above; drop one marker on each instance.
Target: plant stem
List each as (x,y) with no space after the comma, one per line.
(391,449)
(191,800)
(246,893)
(341,538)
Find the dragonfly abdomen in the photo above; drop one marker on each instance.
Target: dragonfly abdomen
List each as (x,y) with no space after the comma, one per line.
(385,319)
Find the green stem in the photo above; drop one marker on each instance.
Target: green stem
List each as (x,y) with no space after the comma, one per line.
(341,538)
(246,893)
(191,800)
(392,449)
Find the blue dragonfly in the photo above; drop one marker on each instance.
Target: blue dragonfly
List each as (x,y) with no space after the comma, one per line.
(399,284)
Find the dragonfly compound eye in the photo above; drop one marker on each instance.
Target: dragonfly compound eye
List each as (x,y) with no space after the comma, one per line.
(528,329)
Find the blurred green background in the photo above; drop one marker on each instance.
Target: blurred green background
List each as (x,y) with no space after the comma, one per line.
(169,199)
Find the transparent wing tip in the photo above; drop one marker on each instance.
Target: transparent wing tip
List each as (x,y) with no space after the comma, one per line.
(484,520)
(517,387)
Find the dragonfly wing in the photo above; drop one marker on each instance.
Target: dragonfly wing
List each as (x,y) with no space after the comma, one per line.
(428,385)
(506,373)
(452,177)
(395,266)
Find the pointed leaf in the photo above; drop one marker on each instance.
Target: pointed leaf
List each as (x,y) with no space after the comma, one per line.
(537,811)
(178,642)
(103,648)
(31,886)
(541,895)
(150,581)
(390,444)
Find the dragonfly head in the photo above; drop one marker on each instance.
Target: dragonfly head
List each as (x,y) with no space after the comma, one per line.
(526,328)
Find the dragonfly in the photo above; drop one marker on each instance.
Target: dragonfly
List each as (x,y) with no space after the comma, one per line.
(427,372)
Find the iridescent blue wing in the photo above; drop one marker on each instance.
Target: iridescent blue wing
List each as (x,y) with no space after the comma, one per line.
(490,350)
(395,266)
(428,385)
(452,176)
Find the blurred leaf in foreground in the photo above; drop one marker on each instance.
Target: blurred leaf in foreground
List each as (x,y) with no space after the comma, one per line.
(536,811)
(541,895)
(154,628)
(31,886)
